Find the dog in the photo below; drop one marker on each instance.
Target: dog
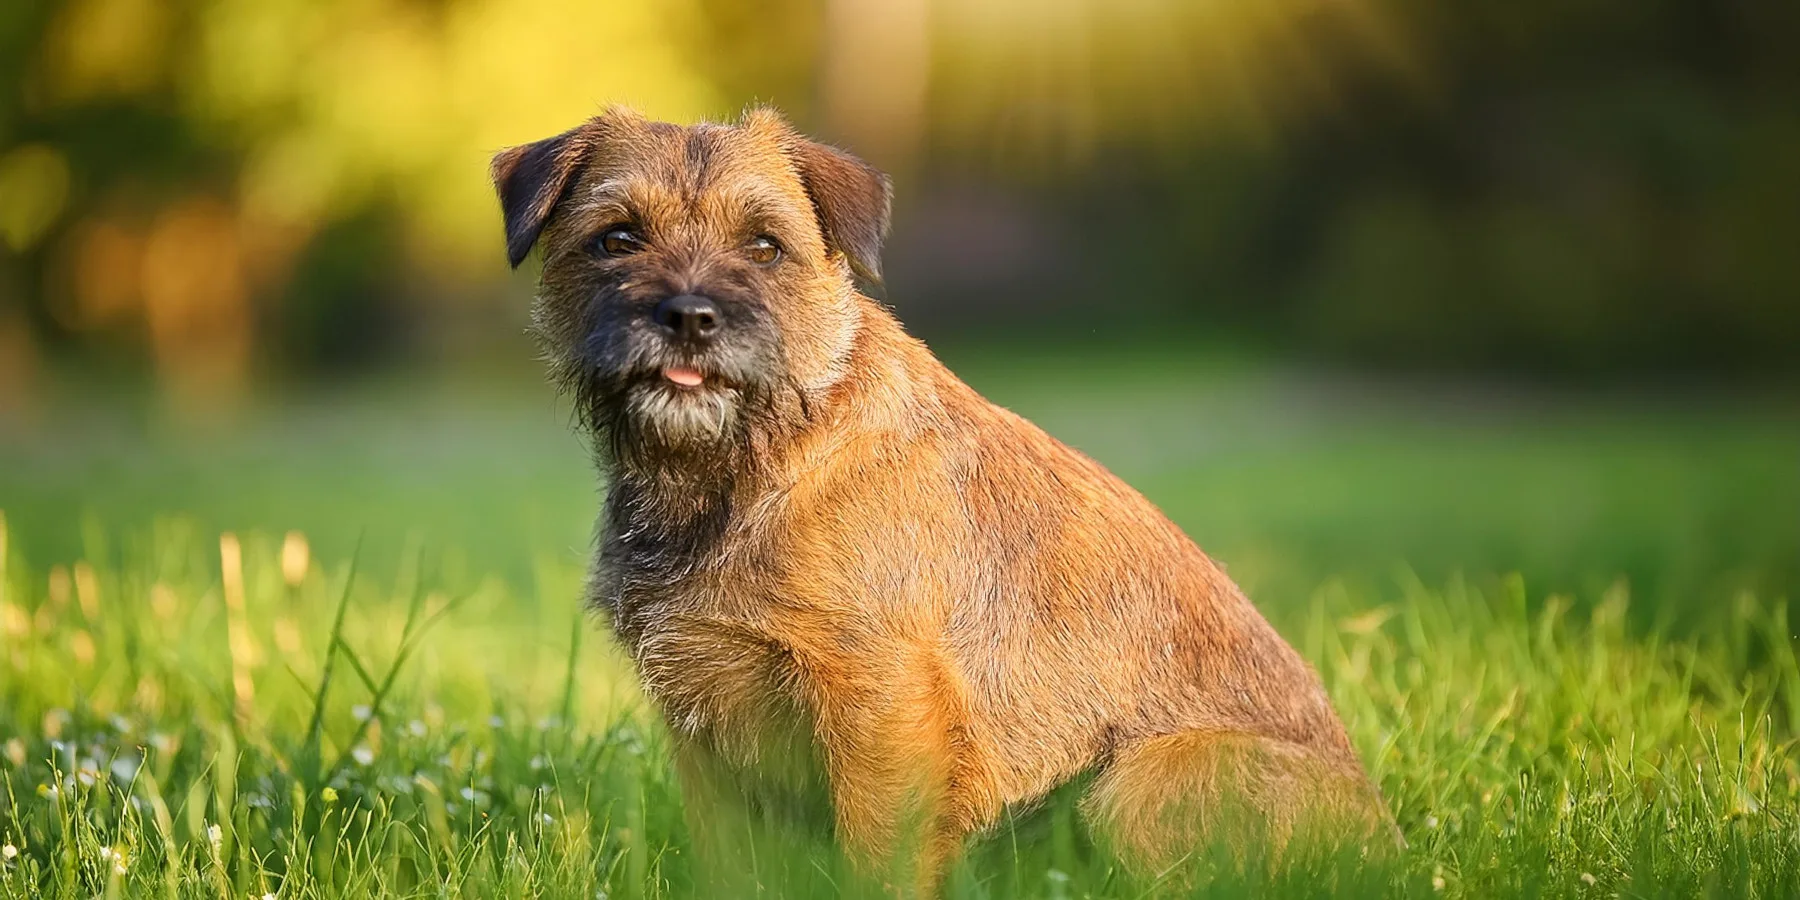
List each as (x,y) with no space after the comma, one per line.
(855,590)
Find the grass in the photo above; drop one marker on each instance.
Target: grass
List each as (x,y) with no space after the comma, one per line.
(1558,632)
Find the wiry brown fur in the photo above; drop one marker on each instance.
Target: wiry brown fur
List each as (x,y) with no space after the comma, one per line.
(868,588)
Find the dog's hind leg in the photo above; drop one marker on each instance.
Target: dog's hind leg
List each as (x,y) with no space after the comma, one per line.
(1162,799)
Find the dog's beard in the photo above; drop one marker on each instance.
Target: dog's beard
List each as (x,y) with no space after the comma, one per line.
(695,439)
(642,426)
(684,419)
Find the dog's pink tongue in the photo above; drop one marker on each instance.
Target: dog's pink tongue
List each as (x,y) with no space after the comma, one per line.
(684,376)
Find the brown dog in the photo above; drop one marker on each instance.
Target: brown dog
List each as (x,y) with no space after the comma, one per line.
(854,588)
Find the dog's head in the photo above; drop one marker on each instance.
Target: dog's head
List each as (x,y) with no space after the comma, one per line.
(698,281)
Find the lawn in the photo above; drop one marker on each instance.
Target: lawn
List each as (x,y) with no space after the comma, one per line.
(332,648)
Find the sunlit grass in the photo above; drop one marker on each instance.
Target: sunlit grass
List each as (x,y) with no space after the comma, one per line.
(346,734)
(1542,735)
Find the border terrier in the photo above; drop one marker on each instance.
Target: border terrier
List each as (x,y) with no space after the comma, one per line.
(856,590)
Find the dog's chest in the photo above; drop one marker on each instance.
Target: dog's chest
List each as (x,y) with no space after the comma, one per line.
(716,677)
(735,699)
(698,610)
(726,683)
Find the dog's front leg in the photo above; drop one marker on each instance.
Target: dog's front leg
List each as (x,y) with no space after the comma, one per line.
(905,784)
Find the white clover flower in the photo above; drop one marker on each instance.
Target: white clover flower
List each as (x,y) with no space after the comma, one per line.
(125,769)
(9,852)
(116,857)
(362,754)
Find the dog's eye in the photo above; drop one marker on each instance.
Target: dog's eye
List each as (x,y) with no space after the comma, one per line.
(763,250)
(618,242)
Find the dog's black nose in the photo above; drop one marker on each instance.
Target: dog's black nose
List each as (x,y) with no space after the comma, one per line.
(688,316)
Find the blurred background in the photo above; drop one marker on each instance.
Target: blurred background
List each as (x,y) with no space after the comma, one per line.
(1350,287)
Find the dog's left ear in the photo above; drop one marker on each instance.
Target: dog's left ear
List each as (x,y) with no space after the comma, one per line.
(852,199)
(531,180)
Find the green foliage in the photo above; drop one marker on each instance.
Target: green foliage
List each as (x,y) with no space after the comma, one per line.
(1582,188)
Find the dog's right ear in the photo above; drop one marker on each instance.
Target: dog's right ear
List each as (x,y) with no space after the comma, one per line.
(531,180)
